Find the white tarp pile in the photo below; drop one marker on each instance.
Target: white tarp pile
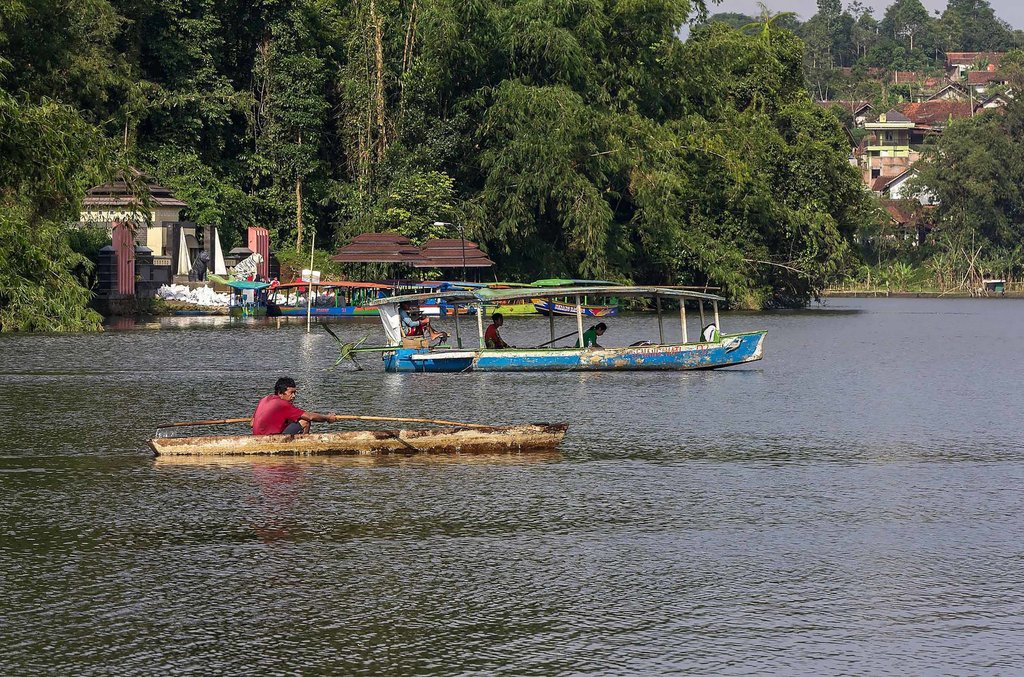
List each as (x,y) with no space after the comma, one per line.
(200,296)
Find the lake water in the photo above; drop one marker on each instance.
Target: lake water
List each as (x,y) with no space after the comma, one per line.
(850,504)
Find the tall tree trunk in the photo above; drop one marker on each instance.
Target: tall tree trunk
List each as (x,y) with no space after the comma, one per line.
(410,44)
(378,94)
(298,206)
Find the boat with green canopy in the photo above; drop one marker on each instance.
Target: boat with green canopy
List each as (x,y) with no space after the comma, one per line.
(247,299)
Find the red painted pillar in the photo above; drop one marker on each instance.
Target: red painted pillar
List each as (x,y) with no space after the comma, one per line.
(259,243)
(124,248)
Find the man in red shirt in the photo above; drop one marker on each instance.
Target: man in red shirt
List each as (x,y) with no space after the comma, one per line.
(491,337)
(276,415)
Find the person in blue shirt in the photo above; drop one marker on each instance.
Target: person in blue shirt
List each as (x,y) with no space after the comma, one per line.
(412,325)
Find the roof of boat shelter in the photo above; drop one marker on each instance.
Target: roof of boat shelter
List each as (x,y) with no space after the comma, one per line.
(452,253)
(379,248)
(396,248)
(490,295)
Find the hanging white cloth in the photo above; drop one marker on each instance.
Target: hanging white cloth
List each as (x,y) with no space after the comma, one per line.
(184,264)
(219,267)
(392,323)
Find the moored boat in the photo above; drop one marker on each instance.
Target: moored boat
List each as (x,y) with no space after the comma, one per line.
(330,299)
(476,440)
(590,306)
(247,299)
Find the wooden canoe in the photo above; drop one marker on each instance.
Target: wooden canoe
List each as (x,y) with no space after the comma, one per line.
(525,437)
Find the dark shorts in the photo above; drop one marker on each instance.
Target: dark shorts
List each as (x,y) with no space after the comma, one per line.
(293,429)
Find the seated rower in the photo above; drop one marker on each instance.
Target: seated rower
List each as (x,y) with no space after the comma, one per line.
(492,339)
(590,336)
(710,334)
(413,325)
(276,415)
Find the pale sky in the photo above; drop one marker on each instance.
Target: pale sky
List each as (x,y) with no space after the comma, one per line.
(1010,11)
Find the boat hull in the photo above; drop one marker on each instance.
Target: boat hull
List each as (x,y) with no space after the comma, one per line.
(526,437)
(334,311)
(553,307)
(731,350)
(247,311)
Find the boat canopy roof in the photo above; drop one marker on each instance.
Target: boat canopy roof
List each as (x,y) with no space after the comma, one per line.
(247,284)
(561,282)
(343,283)
(464,297)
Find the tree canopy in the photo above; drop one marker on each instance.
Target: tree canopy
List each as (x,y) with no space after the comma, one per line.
(569,138)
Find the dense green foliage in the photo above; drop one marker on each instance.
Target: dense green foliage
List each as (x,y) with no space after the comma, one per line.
(43,148)
(975,170)
(906,38)
(972,171)
(568,138)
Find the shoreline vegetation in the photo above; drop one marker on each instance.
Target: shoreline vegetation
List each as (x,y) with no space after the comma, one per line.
(567,139)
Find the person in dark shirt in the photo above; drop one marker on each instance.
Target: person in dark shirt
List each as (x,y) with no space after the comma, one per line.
(492,339)
(277,415)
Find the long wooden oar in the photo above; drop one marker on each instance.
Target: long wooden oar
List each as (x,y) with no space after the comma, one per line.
(435,421)
(339,417)
(220,421)
(572,333)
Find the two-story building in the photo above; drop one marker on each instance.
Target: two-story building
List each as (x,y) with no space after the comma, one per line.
(887,151)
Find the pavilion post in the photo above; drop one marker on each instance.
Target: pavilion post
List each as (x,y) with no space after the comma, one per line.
(458,336)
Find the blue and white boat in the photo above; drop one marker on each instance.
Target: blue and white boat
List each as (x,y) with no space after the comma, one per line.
(713,350)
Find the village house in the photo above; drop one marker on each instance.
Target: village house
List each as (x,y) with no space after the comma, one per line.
(931,117)
(896,188)
(908,223)
(950,91)
(981,82)
(958,63)
(920,87)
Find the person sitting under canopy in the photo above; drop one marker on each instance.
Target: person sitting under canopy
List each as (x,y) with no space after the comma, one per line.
(492,339)
(590,335)
(414,325)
